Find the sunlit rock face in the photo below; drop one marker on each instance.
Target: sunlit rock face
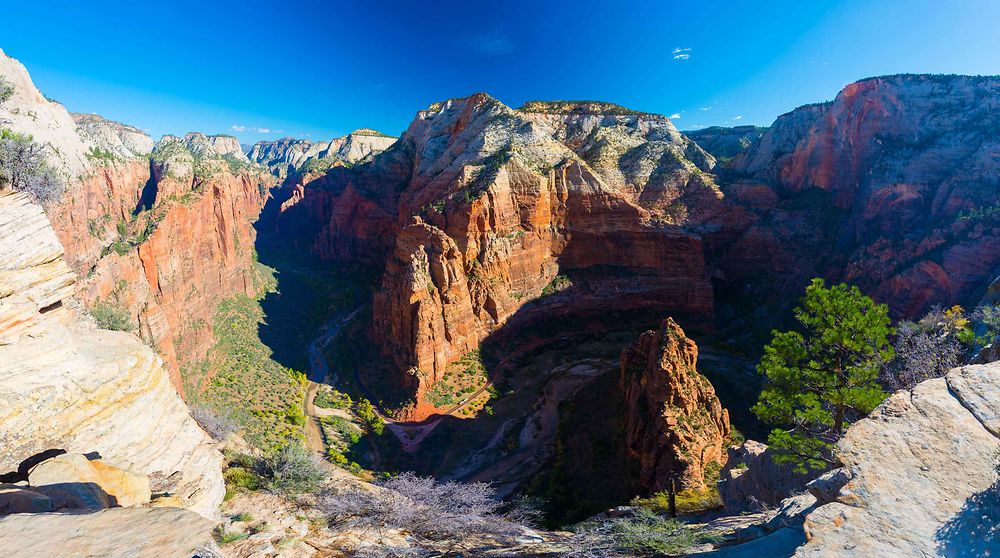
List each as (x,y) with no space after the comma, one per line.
(163,231)
(66,385)
(922,475)
(288,155)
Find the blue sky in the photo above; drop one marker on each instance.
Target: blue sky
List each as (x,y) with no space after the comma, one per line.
(261,70)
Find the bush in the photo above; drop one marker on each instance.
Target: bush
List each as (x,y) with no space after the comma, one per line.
(291,471)
(6,90)
(332,399)
(424,508)
(112,316)
(240,478)
(219,427)
(23,167)
(645,532)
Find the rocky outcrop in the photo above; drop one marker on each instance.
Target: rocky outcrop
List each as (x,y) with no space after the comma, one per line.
(136,532)
(675,425)
(29,112)
(288,155)
(921,475)
(67,385)
(209,147)
(114,139)
(752,481)
(74,481)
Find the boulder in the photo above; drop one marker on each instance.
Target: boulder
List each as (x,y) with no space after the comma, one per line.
(751,480)
(75,481)
(827,487)
(17,499)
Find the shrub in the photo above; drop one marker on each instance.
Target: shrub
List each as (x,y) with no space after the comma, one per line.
(6,90)
(333,399)
(291,470)
(557,284)
(242,478)
(366,412)
(23,167)
(424,508)
(224,537)
(218,426)
(113,316)
(645,532)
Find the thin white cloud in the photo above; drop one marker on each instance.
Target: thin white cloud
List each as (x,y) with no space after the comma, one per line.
(705,108)
(681,53)
(697,126)
(674,116)
(737,118)
(255,129)
(492,44)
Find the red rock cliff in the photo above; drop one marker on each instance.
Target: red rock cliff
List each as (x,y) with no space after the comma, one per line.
(169,266)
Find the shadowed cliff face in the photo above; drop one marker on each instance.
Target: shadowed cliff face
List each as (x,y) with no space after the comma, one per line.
(908,168)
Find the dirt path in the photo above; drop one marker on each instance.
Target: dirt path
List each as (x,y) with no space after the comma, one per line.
(318,371)
(314,436)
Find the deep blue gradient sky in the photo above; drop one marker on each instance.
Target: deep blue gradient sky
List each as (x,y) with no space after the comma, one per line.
(320,69)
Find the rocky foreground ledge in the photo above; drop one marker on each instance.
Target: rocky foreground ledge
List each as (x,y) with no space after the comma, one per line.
(922,473)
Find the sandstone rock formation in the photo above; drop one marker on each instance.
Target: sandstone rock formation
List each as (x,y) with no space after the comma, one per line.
(288,155)
(66,385)
(675,425)
(922,473)
(209,147)
(114,485)
(27,111)
(113,138)
(478,207)
(134,532)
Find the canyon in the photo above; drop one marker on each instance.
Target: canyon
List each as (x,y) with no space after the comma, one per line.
(479,209)
(573,262)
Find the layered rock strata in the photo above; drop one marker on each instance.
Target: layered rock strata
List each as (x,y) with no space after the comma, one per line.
(479,207)
(288,155)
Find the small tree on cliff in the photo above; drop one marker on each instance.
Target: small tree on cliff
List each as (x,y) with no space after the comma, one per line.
(824,377)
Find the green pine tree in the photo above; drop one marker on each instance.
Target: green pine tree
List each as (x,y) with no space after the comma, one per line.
(820,379)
